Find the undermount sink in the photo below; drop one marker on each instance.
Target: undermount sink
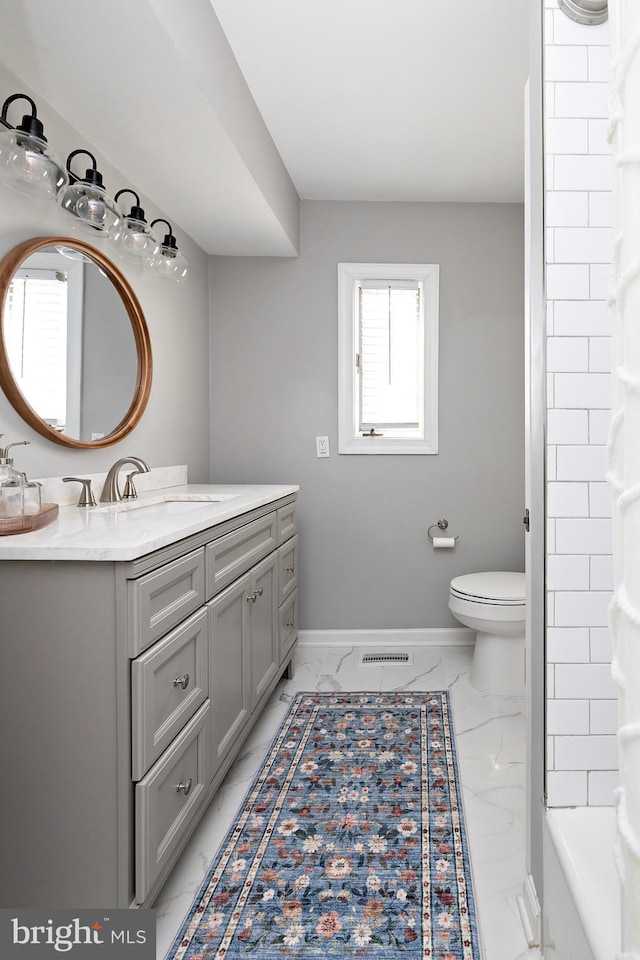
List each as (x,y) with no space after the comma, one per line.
(170,507)
(165,507)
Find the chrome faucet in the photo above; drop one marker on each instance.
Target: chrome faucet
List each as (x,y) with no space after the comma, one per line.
(111,490)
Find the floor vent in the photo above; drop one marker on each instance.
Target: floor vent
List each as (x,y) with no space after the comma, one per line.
(405,658)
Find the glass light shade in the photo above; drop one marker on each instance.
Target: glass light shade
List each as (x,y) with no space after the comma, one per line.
(136,241)
(92,208)
(71,253)
(170,263)
(29,165)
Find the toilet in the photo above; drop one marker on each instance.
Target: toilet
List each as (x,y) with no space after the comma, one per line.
(493,604)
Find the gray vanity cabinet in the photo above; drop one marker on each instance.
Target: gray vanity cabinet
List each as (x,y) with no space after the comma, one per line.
(130,687)
(243,572)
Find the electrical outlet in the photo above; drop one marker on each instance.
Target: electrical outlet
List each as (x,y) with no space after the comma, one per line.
(322,447)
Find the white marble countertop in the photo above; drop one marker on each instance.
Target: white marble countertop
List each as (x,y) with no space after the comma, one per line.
(125,531)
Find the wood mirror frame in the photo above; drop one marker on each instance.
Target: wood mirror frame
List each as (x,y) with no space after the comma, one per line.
(8,266)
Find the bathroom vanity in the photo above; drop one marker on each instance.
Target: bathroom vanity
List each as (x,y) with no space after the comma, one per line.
(139,646)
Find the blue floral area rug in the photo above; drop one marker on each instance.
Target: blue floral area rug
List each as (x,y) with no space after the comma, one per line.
(350,842)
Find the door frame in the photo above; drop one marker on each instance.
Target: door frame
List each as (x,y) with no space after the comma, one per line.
(535,459)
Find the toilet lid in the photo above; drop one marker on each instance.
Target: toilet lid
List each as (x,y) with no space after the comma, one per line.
(491,587)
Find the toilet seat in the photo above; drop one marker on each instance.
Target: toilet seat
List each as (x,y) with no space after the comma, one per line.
(493,588)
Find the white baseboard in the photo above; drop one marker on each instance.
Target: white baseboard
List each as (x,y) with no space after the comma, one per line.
(529,910)
(427,637)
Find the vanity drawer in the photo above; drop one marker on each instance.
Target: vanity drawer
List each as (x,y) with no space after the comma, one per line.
(288,624)
(160,600)
(168,684)
(287,568)
(168,798)
(230,556)
(286,522)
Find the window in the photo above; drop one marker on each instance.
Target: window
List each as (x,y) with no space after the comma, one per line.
(388,358)
(43,338)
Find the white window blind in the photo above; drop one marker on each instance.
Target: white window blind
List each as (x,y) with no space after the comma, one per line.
(390,355)
(36,339)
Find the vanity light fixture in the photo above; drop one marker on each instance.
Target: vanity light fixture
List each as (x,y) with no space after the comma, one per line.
(136,241)
(27,162)
(29,166)
(169,262)
(86,200)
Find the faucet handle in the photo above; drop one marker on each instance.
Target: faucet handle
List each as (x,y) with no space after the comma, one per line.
(87,498)
(130,492)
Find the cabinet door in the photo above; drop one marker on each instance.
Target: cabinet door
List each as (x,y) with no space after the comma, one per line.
(262,608)
(228,667)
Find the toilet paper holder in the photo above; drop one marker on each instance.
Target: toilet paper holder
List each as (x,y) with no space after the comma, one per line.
(441,524)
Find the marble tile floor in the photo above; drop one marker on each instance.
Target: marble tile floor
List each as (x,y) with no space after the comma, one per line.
(490,737)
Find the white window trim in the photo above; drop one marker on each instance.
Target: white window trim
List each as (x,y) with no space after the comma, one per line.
(349,439)
(75,332)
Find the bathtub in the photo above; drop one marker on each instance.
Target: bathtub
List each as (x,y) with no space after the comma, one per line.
(581,887)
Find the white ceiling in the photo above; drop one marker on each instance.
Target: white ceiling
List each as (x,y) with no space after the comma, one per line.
(224,112)
(388,99)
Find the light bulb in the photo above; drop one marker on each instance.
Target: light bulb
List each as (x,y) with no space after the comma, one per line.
(136,241)
(92,209)
(28,164)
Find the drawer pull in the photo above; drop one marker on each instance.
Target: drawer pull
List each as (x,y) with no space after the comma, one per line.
(290,569)
(185,787)
(182,681)
(290,623)
(254,596)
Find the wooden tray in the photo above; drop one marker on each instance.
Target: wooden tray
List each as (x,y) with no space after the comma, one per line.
(10,525)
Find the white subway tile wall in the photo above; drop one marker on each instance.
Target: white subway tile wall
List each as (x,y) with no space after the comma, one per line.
(581,696)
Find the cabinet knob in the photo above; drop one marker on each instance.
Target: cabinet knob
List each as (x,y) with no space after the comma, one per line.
(252,597)
(182,681)
(290,569)
(185,787)
(290,623)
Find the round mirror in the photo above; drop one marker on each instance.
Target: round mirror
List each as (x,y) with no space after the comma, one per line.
(75,354)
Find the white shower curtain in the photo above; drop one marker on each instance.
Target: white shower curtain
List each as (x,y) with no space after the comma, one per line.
(624,447)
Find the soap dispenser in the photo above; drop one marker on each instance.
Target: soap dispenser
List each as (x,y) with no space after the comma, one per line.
(32,491)
(11,484)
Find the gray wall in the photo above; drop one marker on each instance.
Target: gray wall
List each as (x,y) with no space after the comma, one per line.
(174,428)
(109,366)
(365,558)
